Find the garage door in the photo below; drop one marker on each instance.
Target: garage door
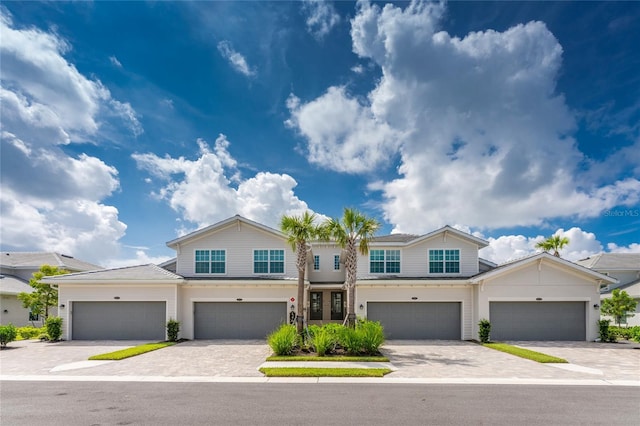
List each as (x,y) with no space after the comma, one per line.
(419,320)
(237,320)
(118,321)
(537,320)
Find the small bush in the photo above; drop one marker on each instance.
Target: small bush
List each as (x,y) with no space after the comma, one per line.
(484,331)
(29,332)
(8,333)
(606,335)
(173,329)
(626,333)
(54,328)
(323,341)
(284,340)
(351,340)
(371,336)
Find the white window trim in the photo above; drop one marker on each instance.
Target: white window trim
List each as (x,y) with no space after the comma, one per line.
(253,262)
(216,274)
(444,262)
(384,261)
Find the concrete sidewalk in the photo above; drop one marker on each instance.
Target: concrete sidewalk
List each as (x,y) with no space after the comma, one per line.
(238,361)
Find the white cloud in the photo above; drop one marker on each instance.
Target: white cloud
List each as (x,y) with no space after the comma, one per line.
(631,248)
(321,17)
(141,258)
(483,137)
(342,134)
(49,199)
(209,188)
(237,61)
(115,62)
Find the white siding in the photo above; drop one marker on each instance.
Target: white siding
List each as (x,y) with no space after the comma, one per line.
(549,282)
(401,293)
(67,294)
(326,273)
(414,259)
(239,240)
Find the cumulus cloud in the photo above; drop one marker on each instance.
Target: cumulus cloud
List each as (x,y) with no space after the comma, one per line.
(49,199)
(237,61)
(321,17)
(210,188)
(483,137)
(141,258)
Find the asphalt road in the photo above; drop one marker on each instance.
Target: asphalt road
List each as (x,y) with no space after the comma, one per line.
(135,403)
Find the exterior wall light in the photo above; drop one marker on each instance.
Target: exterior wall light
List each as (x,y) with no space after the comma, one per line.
(62,305)
(596,306)
(361,306)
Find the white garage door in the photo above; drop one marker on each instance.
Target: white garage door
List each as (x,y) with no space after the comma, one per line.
(237,320)
(418,320)
(537,321)
(118,320)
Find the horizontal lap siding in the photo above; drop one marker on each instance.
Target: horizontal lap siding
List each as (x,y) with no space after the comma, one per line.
(239,243)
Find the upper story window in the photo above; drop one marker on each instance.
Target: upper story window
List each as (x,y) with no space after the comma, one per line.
(316,263)
(336,262)
(444,261)
(384,261)
(268,261)
(211,261)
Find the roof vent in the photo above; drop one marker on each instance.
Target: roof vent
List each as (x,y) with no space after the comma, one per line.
(67,256)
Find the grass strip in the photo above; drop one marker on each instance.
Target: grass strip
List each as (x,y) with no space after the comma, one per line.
(129,352)
(328,358)
(525,353)
(323,372)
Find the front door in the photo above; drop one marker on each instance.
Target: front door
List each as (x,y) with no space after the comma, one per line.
(337,305)
(316,305)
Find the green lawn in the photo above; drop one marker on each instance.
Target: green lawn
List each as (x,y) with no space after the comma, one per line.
(324,372)
(328,358)
(129,352)
(524,353)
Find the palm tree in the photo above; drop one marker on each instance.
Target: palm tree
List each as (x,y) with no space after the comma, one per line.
(299,230)
(555,243)
(353,229)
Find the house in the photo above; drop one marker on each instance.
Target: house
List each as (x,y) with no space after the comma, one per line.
(238,279)
(16,269)
(625,267)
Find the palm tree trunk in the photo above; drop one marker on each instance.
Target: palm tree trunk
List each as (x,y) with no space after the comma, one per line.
(301,264)
(351,265)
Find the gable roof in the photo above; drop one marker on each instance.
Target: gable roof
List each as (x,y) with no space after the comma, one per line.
(139,273)
(506,267)
(394,238)
(13,285)
(212,228)
(34,260)
(612,261)
(450,230)
(633,292)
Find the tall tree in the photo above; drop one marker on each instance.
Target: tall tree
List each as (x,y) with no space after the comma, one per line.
(300,230)
(353,233)
(43,295)
(554,243)
(619,306)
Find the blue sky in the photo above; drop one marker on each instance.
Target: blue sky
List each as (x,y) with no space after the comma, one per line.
(125,124)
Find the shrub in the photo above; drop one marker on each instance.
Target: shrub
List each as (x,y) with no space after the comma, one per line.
(54,328)
(636,334)
(173,329)
(371,336)
(8,333)
(323,341)
(29,332)
(284,340)
(484,331)
(606,335)
(334,329)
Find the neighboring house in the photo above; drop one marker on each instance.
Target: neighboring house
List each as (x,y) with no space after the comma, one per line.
(625,267)
(16,269)
(238,279)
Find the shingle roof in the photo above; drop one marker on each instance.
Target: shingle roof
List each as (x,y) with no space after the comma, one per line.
(25,260)
(612,261)
(148,272)
(13,285)
(394,238)
(621,287)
